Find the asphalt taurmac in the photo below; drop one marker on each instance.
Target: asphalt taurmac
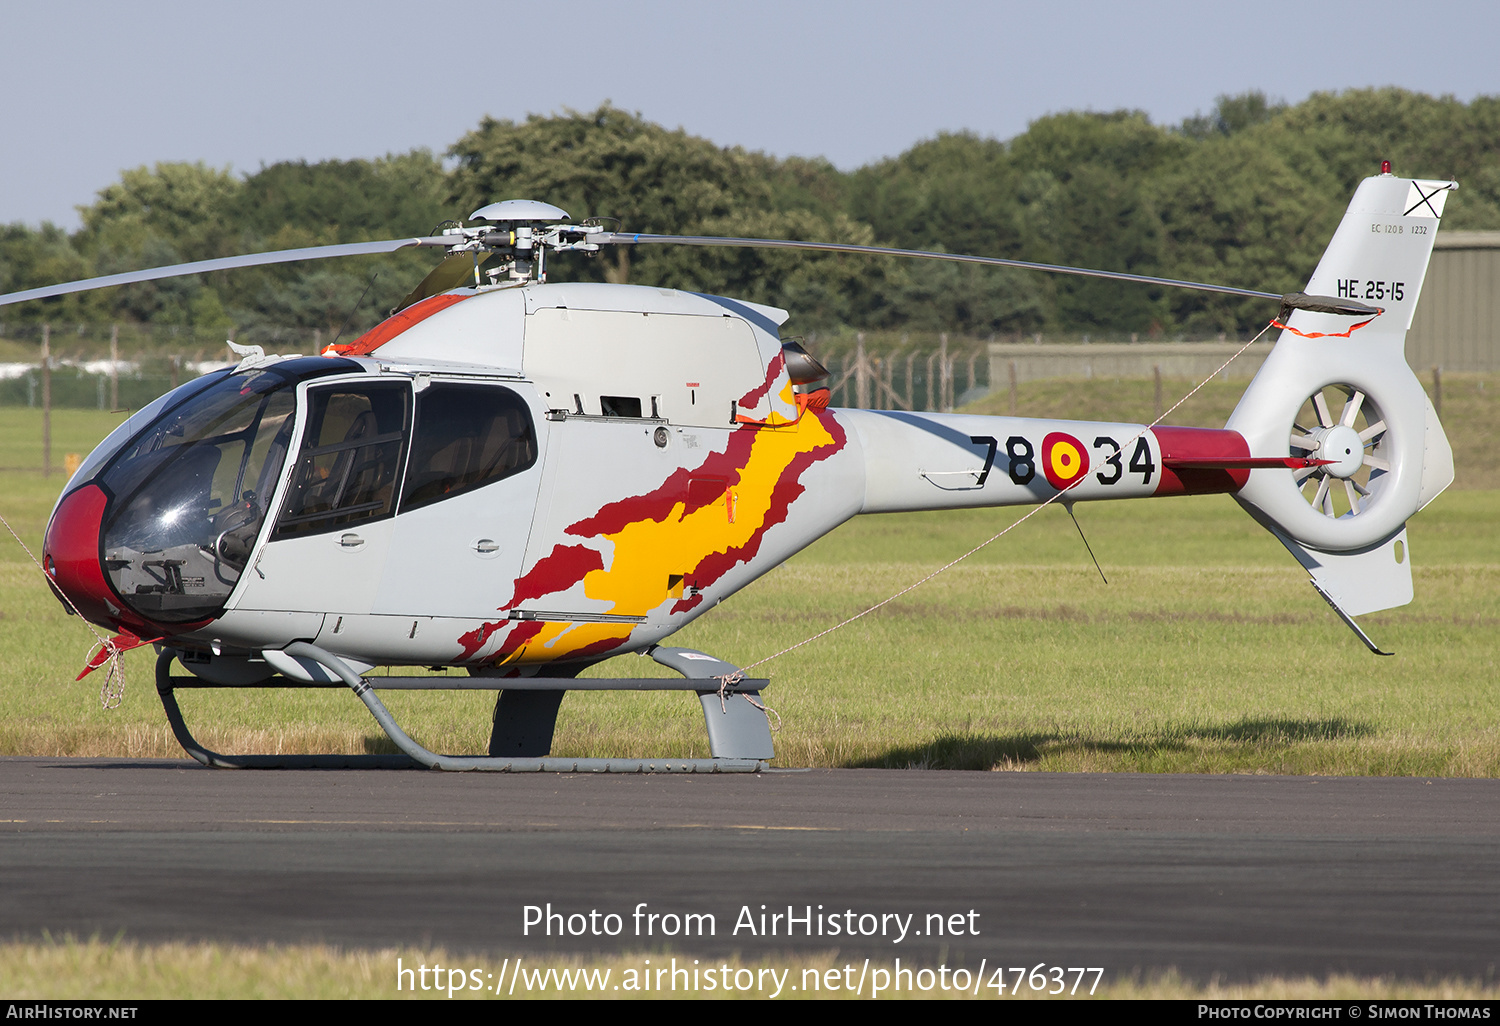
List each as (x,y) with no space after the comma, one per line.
(1232,876)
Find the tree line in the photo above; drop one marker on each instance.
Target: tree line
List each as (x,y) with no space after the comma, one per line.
(1247,194)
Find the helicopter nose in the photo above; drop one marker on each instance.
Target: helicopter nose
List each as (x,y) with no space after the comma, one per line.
(70,555)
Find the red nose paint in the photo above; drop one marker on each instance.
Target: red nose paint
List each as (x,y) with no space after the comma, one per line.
(70,555)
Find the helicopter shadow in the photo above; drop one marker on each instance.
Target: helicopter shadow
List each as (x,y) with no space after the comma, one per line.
(995,751)
(951,751)
(380,744)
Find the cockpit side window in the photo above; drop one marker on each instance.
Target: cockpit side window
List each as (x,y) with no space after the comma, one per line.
(467,436)
(350,463)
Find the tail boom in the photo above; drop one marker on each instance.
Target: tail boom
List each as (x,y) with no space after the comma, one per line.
(925,461)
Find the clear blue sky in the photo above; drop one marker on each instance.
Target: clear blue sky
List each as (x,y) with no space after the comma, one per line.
(90,88)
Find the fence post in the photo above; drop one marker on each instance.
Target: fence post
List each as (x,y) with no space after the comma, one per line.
(945,376)
(1437,390)
(46,400)
(861,373)
(1012,388)
(114,366)
(911,388)
(1156,375)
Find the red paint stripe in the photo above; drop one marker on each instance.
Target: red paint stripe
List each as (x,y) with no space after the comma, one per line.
(786,491)
(522,631)
(657,505)
(395,325)
(753,397)
(518,637)
(566,565)
(559,570)
(594,648)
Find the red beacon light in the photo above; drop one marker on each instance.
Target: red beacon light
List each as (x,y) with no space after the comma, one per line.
(1385,167)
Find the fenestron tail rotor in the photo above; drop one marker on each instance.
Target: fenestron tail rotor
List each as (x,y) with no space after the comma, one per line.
(1351,443)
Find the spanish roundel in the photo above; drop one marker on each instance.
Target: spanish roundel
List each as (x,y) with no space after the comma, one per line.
(1064,459)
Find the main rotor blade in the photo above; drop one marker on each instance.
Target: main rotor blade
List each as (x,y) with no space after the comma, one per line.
(632,239)
(280,256)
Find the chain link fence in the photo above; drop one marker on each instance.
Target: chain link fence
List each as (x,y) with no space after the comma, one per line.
(125,366)
(122,366)
(904,371)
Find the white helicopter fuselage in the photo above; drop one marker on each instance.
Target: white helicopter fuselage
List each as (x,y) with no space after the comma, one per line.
(521,476)
(669,462)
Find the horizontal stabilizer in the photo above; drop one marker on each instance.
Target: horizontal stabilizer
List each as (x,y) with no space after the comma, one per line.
(1241,462)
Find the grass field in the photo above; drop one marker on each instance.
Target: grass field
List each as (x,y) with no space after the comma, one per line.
(1207,651)
(129,971)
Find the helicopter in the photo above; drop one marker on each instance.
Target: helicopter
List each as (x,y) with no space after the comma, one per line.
(522,478)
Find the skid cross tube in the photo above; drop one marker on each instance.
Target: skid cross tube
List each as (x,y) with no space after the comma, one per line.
(730,727)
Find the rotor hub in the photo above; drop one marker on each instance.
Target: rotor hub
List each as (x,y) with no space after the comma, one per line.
(1344,447)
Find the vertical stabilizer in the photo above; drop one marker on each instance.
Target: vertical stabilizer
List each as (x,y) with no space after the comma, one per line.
(1337,388)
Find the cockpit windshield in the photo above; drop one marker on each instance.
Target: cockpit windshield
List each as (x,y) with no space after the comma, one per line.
(188,494)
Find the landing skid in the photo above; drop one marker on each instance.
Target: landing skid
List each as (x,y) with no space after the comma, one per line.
(525,712)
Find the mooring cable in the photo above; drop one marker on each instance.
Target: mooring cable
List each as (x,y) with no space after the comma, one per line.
(112,692)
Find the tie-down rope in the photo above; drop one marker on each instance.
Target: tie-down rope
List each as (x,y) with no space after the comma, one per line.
(112,692)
